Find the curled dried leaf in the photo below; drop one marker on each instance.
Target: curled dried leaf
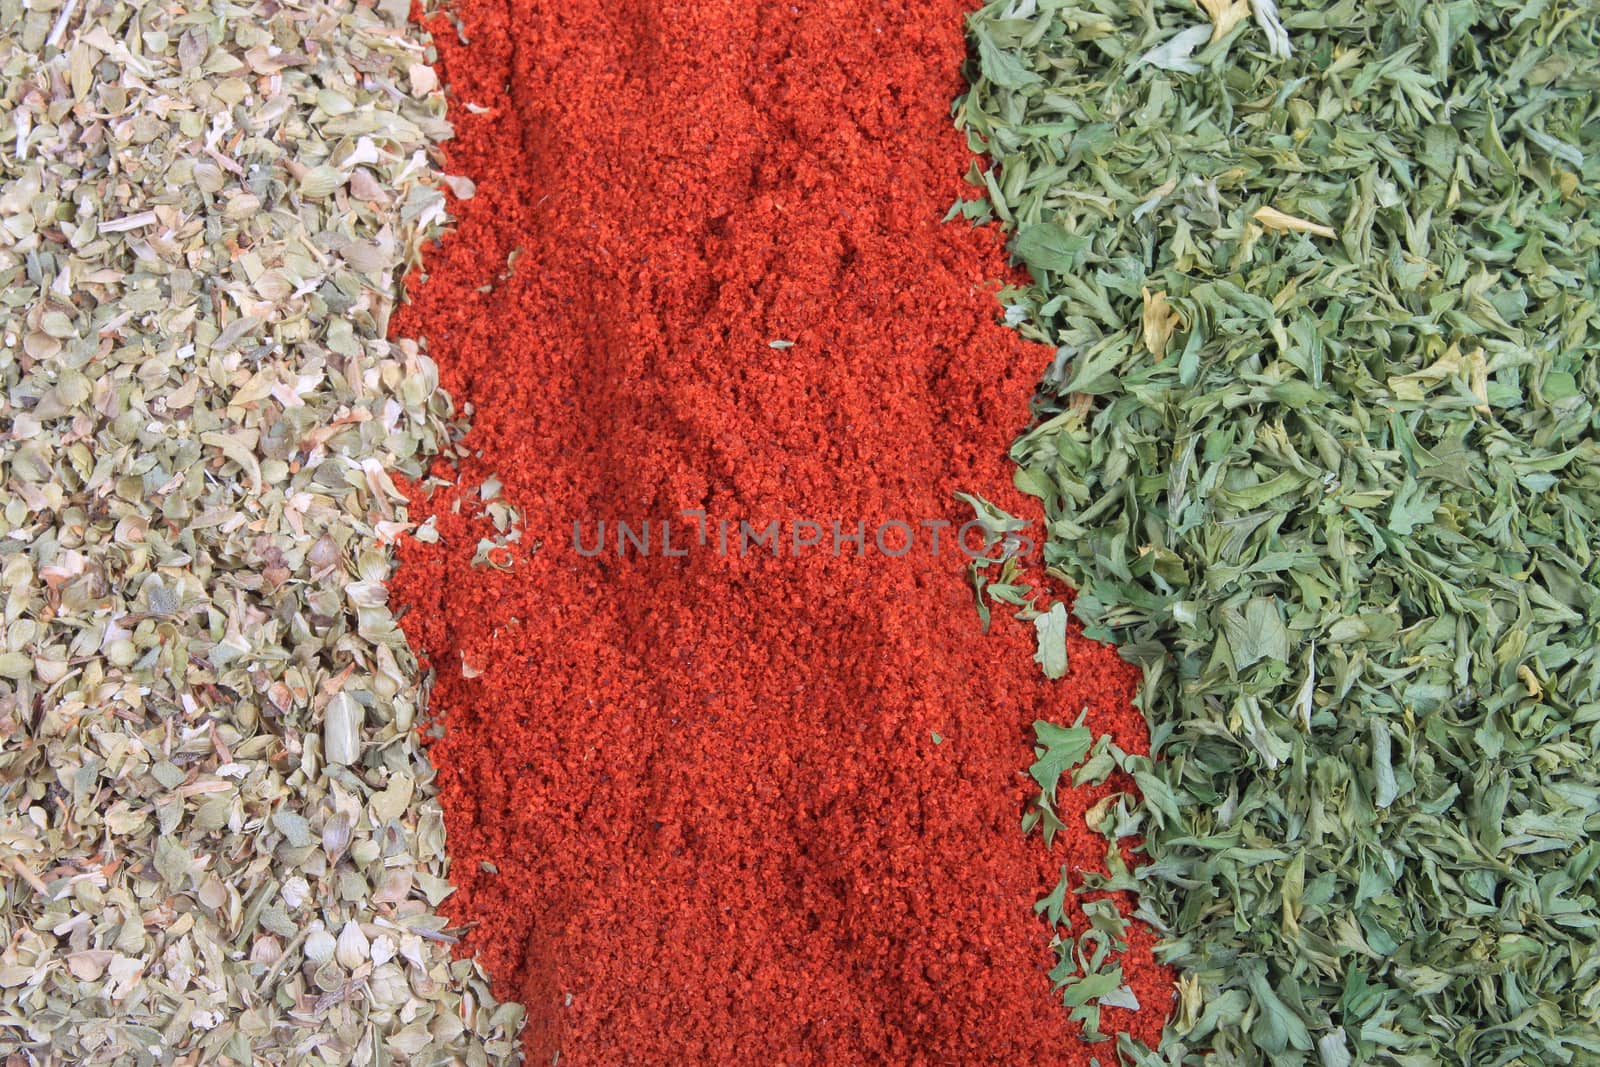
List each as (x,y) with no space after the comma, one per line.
(1272,219)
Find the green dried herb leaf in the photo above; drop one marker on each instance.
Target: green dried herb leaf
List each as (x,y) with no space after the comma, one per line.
(1059,749)
(1051,632)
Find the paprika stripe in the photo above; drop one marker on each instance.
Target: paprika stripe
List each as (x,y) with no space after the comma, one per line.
(731,802)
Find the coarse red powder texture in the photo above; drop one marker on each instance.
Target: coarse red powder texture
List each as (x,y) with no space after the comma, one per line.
(719,825)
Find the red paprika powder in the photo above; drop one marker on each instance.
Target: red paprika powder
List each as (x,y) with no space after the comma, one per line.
(726,806)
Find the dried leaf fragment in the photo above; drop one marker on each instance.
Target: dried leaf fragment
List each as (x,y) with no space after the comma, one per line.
(1277,37)
(1160,320)
(1225,15)
(341,730)
(1273,219)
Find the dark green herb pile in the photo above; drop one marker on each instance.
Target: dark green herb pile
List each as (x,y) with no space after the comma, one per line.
(1322,453)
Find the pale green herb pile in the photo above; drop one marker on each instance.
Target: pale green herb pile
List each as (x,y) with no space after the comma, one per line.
(220,841)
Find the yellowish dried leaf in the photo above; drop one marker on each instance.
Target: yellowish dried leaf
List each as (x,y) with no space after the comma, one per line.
(1273,219)
(1224,15)
(1160,320)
